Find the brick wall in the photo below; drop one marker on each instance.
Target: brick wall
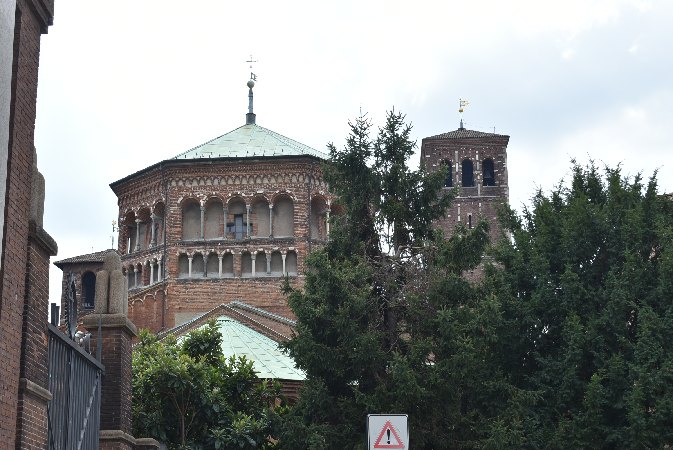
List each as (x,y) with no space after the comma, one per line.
(167,187)
(32,19)
(478,202)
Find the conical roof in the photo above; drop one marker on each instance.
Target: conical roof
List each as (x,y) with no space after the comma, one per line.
(250,140)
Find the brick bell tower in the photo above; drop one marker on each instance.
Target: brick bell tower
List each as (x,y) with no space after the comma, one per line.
(475,164)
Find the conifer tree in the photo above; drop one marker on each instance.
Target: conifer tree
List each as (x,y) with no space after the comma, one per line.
(585,291)
(385,322)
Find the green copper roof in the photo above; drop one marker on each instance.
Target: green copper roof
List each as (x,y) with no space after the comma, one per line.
(250,140)
(269,361)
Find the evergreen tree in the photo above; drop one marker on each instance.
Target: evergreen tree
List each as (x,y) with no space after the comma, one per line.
(385,321)
(585,292)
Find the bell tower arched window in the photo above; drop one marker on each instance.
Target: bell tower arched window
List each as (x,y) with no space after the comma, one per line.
(468,173)
(448,176)
(489,172)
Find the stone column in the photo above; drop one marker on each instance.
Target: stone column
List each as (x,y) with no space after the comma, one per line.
(268,263)
(137,235)
(203,218)
(253,257)
(247,223)
(159,269)
(151,272)
(135,276)
(219,270)
(226,216)
(283,255)
(153,241)
(270,221)
(189,274)
(205,264)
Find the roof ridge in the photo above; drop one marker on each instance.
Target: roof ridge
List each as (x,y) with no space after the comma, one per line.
(463,133)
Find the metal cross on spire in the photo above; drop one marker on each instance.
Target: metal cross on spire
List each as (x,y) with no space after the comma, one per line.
(250,117)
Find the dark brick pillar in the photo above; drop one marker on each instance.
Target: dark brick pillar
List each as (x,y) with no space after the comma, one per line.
(115,416)
(34,384)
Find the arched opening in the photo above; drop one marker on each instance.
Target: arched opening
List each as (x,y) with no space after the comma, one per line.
(237,220)
(213,265)
(130,277)
(276,264)
(191,220)
(448,175)
(158,224)
(468,173)
(228,265)
(260,218)
(260,264)
(144,229)
(283,217)
(183,266)
(246,264)
(318,218)
(129,231)
(214,218)
(198,268)
(489,172)
(88,290)
(291,263)
(139,275)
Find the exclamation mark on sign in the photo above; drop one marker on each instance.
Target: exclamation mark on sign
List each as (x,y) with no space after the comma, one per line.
(388,432)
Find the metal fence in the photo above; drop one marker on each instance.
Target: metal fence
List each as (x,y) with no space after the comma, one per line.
(75,385)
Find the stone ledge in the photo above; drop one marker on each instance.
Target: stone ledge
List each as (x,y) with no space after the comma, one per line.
(43,238)
(91,321)
(116,435)
(147,443)
(34,389)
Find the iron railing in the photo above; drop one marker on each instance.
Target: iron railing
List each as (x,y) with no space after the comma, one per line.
(75,384)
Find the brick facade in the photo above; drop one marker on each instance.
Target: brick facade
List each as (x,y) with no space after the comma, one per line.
(162,291)
(26,247)
(481,200)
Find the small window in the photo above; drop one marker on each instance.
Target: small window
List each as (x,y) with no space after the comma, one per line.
(489,172)
(88,290)
(237,227)
(469,221)
(468,174)
(448,177)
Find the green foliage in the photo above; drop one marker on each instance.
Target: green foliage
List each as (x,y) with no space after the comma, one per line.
(385,321)
(585,290)
(187,395)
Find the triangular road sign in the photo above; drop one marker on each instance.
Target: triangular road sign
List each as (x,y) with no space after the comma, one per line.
(392,439)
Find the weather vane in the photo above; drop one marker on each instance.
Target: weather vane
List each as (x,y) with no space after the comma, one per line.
(253,77)
(461,107)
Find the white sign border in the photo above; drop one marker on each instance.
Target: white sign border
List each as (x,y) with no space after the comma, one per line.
(404,431)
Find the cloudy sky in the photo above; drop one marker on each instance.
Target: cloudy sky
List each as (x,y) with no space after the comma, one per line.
(126,84)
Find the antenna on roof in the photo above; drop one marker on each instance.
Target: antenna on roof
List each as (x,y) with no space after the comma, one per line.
(250,117)
(461,107)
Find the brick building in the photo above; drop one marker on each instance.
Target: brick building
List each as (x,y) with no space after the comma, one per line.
(476,163)
(224,221)
(26,247)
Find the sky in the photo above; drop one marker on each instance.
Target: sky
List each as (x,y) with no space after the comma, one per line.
(126,84)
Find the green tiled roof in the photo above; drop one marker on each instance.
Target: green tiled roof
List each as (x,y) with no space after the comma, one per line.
(269,361)
(250,140)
